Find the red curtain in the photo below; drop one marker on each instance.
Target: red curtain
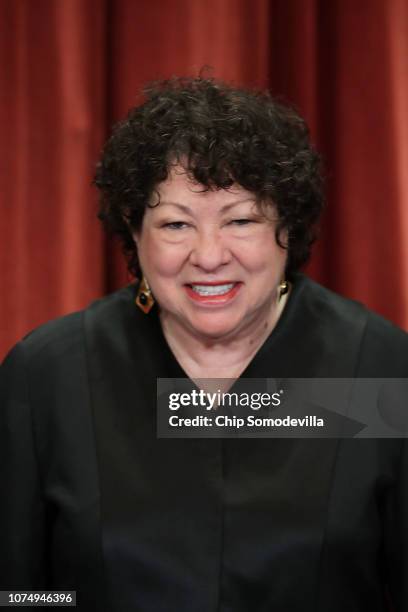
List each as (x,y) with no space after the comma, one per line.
(69,68)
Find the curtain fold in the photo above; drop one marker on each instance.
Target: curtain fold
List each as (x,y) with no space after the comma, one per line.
(51,111)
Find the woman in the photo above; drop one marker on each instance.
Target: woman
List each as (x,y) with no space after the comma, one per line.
(215,193)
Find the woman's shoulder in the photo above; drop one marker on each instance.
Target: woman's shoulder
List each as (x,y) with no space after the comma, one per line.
(349,311)
(341,317)
(62,335)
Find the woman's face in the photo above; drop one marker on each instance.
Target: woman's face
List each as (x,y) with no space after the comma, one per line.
(210,257)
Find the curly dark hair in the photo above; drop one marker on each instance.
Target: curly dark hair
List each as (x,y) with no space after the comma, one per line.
(221,135)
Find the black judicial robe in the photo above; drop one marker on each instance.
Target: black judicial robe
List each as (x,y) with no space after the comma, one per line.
(93,501)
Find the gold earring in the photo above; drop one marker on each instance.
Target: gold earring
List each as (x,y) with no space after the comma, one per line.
(144,298)
(283,288)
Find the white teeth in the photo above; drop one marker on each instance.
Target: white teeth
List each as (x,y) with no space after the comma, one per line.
(212,289)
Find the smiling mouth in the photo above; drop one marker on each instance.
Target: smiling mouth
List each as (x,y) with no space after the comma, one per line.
(219,289)
(213,294)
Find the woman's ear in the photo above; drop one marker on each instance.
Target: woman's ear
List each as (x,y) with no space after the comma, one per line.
(136,236)
(135,233)
(284,237)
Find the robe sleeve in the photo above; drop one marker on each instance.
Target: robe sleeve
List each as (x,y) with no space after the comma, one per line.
(396,536)
(22,508)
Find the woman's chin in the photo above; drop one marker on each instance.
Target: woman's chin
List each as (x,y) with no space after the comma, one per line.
(213,327)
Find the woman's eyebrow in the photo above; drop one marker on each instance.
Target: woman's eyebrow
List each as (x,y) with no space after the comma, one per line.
(189,211)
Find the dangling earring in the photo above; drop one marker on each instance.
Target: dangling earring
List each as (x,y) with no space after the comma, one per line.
(283,288)
(144,298)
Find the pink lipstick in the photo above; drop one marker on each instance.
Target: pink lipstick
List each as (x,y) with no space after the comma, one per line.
(213,293)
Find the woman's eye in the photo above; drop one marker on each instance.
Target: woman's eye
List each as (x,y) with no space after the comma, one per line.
(175,225)
(241,221)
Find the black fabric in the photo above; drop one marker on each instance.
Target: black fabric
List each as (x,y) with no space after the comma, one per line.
(93,501)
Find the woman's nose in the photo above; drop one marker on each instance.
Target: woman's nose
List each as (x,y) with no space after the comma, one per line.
(209,251)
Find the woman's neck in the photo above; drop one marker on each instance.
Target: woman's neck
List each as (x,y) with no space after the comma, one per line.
(228,357)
